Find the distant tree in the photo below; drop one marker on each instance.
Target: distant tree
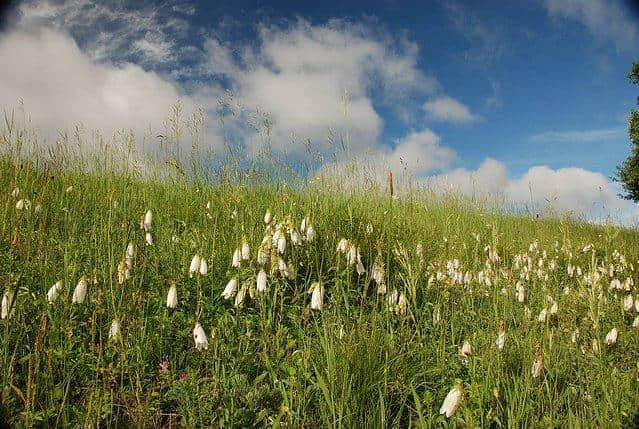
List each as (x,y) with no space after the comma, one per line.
(628,171)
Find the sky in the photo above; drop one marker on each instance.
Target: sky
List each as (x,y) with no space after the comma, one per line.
(523,99)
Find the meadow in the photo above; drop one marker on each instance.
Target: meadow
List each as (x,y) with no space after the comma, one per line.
(129,301)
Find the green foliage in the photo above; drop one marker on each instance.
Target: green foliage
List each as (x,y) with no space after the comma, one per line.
(628,172)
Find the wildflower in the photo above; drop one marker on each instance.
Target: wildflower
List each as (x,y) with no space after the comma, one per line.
(262,256)
(628,303)
(129,255)
(15,192)
(195,265)
(246,250)
(402,305)
(148,218)
(148,238)
(352,255)
(611,337)
(114,331)
(241,294)
(199,336)
(268,217)
(452,400)
(53,292)
(7,304)
(296,239)
(317,295)
(369,229)
(465,351)
(204,267)
(281,244)
(310,233)
(378,275)
(635,323)
(23,204)
(80,292)
(360,266)
(171,297)
(303,224)
(501,337)
(391,299)
(69,189)
(236,259)
(260,282)
(342,246)
(521,292)
(575,336)
(537,366)
(230,288)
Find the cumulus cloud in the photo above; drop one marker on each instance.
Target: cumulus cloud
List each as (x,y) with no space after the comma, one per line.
(448,109)
(604,18)
(564,190)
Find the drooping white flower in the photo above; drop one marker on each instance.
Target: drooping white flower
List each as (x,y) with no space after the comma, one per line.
(351,256)
(204,266)
(23,204)
(521,292)
(343,245)
(261,281)
(80,292)
(236,259)
(246,250)
(195,265)
(7,304)
(402,305)
(148,218)
(114,331)
(241,294)
(501,337)
(69,189)
(268,217)
(537,367)
(310,233)
(628,303)
(262,256)
(199,336)
(230,288)
(15,192)
(129,255)
(54,291)
(148,238)
(171,297)
(281,244)
(611,337)
(465,351)
(317,295)
(296,239)
(635,323)
(452,401)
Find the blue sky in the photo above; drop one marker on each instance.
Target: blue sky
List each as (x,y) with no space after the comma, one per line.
(507,94)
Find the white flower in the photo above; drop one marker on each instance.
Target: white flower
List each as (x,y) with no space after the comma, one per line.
(635,323)
(262,256)
(310,233)
(204,267)
(402,305)
(246,251)
(352,255)
(195,265)
(69,189)
(199,336)
(317,295)
(268,217)
(114,331)
(537,366)
(7,304)
(261,281)
(611,337)
(80,292)
(23,204)
(391,299)
(465,351)
(369,229)
(241,294)
(501,337)
(130,254)
(171,297)
(628,303)
(53,292)
(521,292)
(148,218)
(542,316)
(230,288)
(148,238)
(452,401)
(303,224)
(236,259)
(281,244)
(342,246)
(15,192)
(295,238)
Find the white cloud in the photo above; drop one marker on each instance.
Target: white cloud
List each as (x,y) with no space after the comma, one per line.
(579,135)
(420,153)
(448,109)
(604,18)
(565,190)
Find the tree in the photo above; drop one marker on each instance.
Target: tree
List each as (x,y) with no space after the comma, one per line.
(628,171)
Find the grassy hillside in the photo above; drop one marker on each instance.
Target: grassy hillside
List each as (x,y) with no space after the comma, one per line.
(453,272)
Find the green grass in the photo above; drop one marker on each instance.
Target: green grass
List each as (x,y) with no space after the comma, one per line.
(274,361)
